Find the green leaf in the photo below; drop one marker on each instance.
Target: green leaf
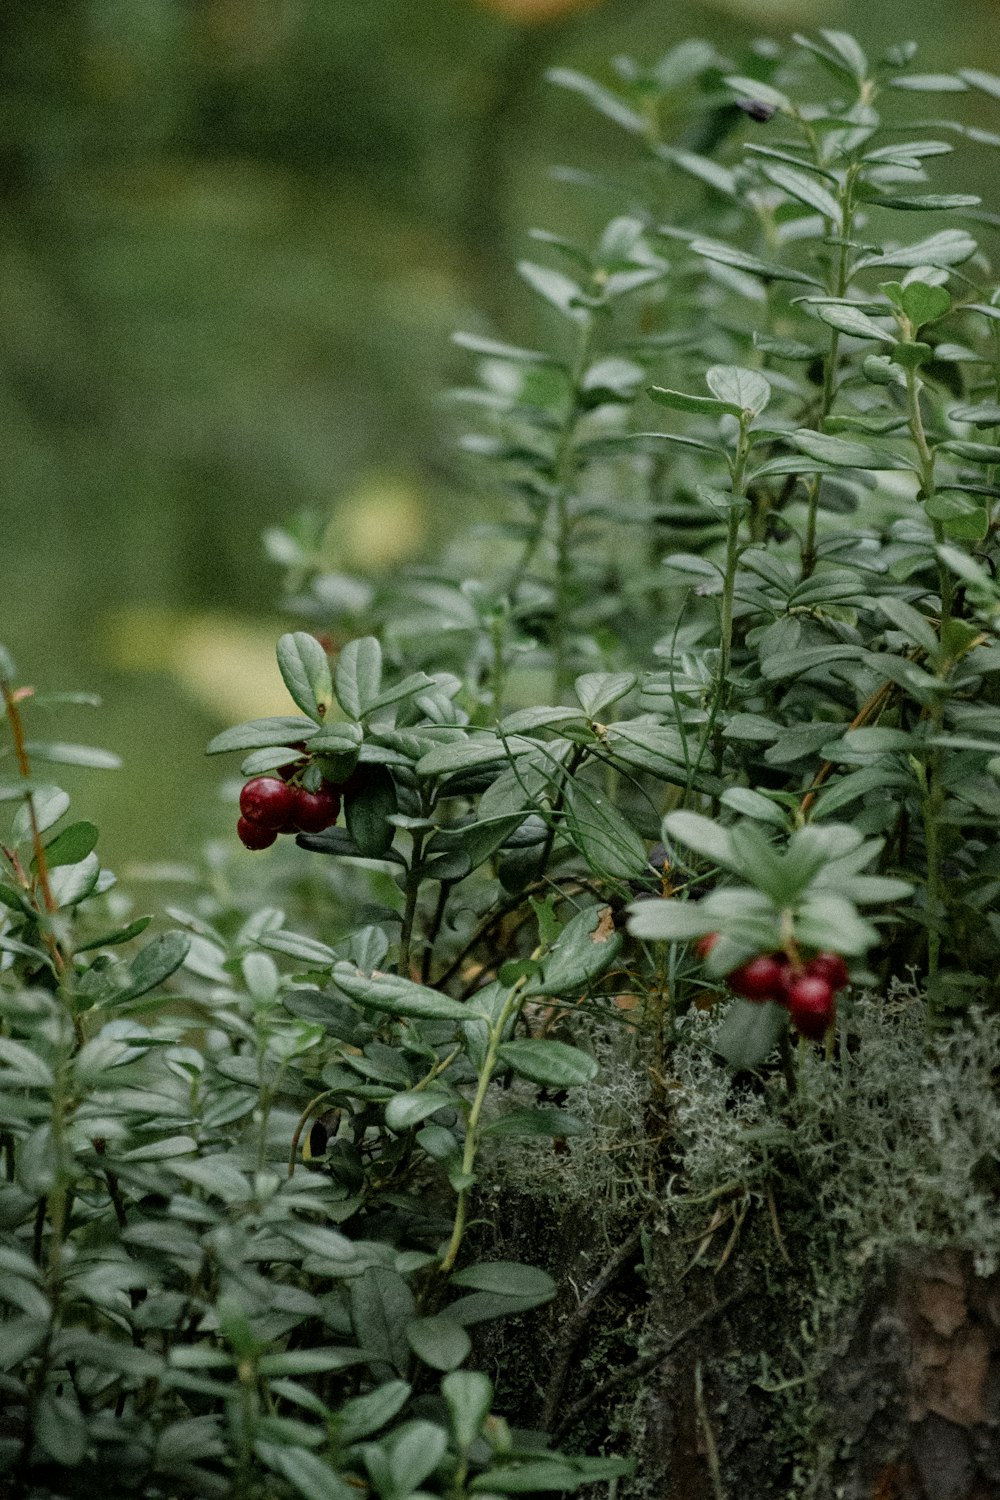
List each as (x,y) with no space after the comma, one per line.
(404,1111)
(363,1415)
(847,319)
(989,83)
(764,93)
(73,755)
(597,691)
(60,1429)
(538,1122)
(440,1342)
(544,1474)
(930,83)
(608,843)
(157,961)
(367,812)
(468,1395)
(910,621)
(585,949)
(306,1472)
(71,884)
(668,921)
(925,304)
(702,835)
(305,668)
(398,996)
(842,453)
(381,1307)
(493,349)
(49,802)
(924,202)
(71,845)
(750,1032)
(414,1452)
(510,1278)
(469,752)
(983,414)
(842,53)
(296,946)
(33,1070)
(805,188)
(740,260)
(416,682)
(602,99)
(550,1063)
(949,247)
(357,676)
(259,734)
(706,406)
(559,290)
(712,173)
(746,389)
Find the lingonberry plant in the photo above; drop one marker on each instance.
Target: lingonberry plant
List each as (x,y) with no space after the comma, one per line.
(239,1228)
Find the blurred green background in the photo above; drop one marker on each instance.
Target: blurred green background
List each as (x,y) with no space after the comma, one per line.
(235,237)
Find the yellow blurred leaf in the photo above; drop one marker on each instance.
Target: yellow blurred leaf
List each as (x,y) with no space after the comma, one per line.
(381,522)
(227,665)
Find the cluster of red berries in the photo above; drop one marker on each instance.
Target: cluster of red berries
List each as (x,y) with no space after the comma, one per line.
(808,990)
(270,805)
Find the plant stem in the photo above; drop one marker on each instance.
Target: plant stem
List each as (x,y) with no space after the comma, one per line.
(16,723)
(932,799)
(732,560)
(413,882)
(510,1007)
(565,467)
(838,289)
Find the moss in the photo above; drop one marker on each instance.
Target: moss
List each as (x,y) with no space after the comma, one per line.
(895,1141)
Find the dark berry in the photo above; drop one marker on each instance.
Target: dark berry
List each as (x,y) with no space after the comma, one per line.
(757,109)
(315,811)
(255,835)
(762,978)
(831,967)
(811,1005)
(704,945)
(267,801)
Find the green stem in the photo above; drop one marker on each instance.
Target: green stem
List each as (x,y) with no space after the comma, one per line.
(565,467)
(511,1005)
(932,800)
(413,882)
(838,289)
(732,560)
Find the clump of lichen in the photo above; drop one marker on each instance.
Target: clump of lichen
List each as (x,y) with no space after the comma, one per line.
(893,1141)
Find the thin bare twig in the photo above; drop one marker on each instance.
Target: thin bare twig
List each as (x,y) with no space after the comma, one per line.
(575,1324)
(642,1366)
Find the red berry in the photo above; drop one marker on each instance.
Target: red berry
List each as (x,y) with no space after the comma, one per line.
(267,801)
(254,835)
(704,945)
(762,978)
(831,967)
(315,811)
(811,1004)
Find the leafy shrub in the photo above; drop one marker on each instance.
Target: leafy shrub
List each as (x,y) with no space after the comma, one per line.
(242,1157)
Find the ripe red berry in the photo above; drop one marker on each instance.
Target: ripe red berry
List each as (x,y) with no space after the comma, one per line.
(704,945)
(255,835)
(315,811)
(267,801)
(831,967)
(762,978)
(811,1005)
